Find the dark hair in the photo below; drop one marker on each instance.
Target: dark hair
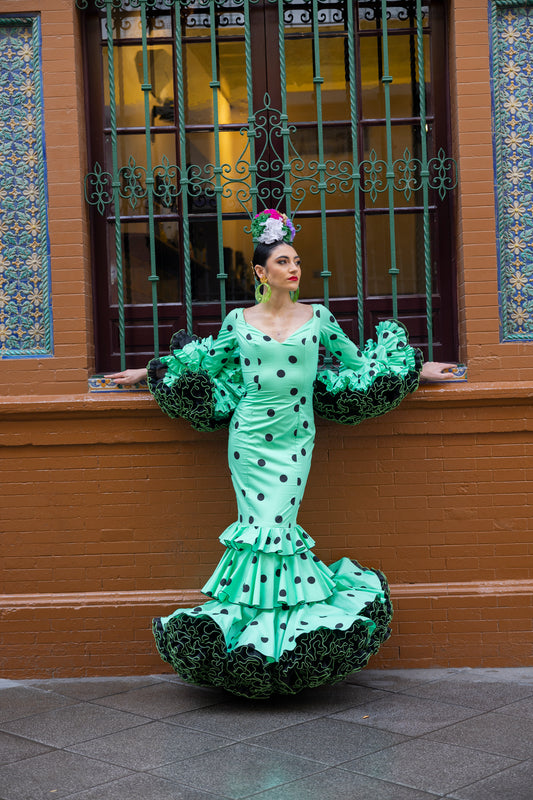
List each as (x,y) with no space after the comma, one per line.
(262,252)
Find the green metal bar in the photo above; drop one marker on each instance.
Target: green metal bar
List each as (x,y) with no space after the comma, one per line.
(350,29)
(284,118)
(249,94)
(318,80)
(217,169)
(184,178)
(386,81)
(424,175)
(146,87)
(115,183)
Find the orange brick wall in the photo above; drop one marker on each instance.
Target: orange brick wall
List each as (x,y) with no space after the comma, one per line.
(111,512)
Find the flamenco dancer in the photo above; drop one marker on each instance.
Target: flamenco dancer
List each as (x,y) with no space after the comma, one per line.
(278,619)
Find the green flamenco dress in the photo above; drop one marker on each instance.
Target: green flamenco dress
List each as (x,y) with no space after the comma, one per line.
(278,619)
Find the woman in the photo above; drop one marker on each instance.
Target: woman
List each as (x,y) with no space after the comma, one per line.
(279,619)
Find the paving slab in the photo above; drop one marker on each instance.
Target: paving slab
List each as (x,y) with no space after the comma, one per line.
(71,724)
(16,748)
(143,787)
(149,746)
(328,741)
(523,708)
(514,783)
(55,774)
(21,701)
(238,771)
(394,680)
(431,767)
(336,784)
(411,716)
(472,694)
(239,718)
(162,699)
(92,688)
(492,732)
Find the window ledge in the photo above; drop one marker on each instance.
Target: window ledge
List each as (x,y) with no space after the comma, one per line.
(450,395)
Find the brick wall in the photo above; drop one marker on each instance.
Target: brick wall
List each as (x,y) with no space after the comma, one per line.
(111,512)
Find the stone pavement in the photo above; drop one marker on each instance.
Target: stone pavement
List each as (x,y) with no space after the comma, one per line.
(465,734)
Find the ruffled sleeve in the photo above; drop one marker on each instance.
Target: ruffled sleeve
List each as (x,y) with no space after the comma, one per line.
(369,381)
(201,379)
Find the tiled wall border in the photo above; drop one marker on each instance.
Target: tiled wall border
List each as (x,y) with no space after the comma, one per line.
(25,300)
(511,24)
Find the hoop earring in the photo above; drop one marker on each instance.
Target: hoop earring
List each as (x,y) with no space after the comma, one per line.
(263,296)
(295,295)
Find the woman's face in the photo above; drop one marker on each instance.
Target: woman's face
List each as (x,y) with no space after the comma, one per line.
(282,269)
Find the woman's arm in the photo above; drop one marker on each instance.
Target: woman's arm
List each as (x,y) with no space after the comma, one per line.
(436,370)
(129,376)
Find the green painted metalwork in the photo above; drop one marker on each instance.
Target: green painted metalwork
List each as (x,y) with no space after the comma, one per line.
(387,80)
(250,100)
(355,174)
(321,166)
(424,176)
(115,184)
(256,178)
(183,174)
(217,168)
(285,131)
(149,179)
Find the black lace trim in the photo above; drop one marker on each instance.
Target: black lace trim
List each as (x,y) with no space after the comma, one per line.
(196,650)
(191,396)
(350,407)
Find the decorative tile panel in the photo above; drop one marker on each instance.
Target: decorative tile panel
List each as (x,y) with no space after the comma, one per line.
(101,383)
(512,80)
(25,303)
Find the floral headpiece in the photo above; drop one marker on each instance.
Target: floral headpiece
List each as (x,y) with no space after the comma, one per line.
(271,226)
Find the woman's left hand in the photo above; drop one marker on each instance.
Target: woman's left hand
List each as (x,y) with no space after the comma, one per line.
(436,371)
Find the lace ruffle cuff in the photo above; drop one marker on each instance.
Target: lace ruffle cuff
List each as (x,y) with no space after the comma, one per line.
(182,387)
(391,372)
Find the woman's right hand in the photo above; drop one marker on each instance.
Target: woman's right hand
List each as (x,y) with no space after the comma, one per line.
(129,376)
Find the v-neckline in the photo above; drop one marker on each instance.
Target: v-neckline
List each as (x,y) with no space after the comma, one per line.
(273,338)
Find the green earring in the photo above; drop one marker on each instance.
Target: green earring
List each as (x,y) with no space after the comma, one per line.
(260,296)
(295,295)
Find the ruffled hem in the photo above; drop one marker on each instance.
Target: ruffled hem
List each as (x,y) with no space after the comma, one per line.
(256,653)
(183,388)
(269,580)
(349,397)
(282,540)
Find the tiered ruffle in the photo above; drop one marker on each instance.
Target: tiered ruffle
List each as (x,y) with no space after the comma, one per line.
(279,620)
(259,652)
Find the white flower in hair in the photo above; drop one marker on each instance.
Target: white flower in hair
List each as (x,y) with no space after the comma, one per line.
(272,231)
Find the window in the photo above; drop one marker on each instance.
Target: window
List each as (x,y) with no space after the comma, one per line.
(243,110)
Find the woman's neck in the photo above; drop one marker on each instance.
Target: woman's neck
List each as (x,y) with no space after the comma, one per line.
(279,303)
